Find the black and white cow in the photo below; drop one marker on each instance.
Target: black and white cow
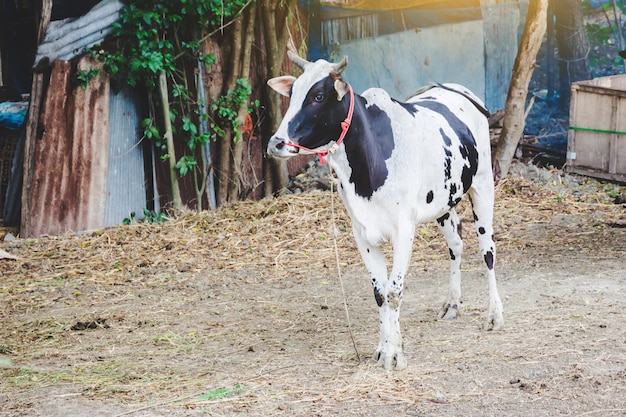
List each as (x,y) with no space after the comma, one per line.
(398,164)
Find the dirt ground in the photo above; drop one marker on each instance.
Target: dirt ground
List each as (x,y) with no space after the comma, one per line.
(240,312)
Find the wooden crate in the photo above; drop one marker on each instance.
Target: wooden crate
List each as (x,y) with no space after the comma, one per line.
(596,143)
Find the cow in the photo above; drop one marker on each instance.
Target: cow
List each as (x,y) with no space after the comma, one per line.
(397,164)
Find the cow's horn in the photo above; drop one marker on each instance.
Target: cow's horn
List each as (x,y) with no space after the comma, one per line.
(296,59)
(339,67)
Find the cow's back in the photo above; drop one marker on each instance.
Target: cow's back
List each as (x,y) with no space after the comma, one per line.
(441,145)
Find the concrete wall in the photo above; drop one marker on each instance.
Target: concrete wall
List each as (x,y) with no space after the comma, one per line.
(405,61)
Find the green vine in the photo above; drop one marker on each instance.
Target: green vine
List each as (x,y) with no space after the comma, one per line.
(149,216)
(83,77)
(226,107)
(156,37)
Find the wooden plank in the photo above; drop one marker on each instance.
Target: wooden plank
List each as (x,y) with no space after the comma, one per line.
(618,147)
(591,148)
(598,174)
(613,138)
(598,104)
(601,90)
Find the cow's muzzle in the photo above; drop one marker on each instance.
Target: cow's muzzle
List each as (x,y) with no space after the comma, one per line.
(281,148)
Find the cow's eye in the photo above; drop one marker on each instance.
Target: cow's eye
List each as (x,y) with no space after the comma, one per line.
(319,97)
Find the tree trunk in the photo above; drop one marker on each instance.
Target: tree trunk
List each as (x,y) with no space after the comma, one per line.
(235,168)
(276,174)
(225,161)
(571,38)
(513,124)
(169,138)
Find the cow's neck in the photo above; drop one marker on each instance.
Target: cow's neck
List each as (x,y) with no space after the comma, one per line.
(368,143)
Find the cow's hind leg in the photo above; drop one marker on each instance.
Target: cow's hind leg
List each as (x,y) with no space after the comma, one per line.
(482,207)
(450,226)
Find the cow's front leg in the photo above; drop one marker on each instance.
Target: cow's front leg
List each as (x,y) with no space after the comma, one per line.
(376,266)
(391,352)
(388,295)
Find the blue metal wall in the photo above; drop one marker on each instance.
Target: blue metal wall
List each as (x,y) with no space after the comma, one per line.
(403,62)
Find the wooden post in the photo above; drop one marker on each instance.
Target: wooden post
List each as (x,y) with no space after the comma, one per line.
(513,124)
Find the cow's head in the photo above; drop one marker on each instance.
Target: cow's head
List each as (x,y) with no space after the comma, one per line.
(316,107)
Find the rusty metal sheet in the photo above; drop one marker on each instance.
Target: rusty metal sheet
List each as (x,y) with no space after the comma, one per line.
(68,182)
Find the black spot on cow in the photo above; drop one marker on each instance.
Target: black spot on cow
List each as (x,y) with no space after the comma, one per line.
(429,197)
(489,259)
(475,216)
(481,230)
(454,202)
(452,257)
(447,163)
(467,143)
(446,138)
(451,199)
(369,143)
(470,154)
(379,297)
(409,107)
(459,229)
(441,220)
(447,166)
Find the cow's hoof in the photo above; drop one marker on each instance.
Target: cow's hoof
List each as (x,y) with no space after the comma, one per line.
(448,311)
(395,361)
(495,316)
(494,322)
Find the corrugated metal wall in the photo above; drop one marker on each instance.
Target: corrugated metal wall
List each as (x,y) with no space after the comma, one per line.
(126,179)
(88,167)
(68,181)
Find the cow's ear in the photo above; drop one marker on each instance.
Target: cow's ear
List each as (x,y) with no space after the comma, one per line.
(341,87)
(282,84)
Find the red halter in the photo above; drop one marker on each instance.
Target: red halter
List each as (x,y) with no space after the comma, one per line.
(345,125)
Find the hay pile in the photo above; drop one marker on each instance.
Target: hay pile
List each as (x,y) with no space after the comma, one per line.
(293,234)
(286,234)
